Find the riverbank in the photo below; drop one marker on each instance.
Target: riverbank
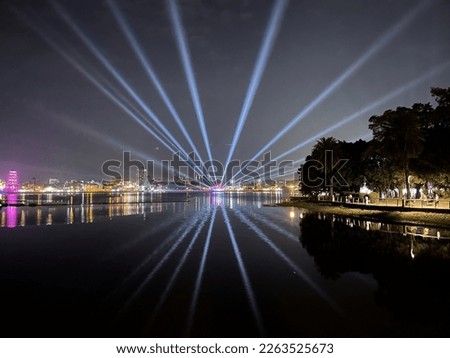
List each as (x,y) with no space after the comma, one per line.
(395,217)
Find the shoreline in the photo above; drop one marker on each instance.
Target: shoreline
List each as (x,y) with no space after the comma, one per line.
(423,218)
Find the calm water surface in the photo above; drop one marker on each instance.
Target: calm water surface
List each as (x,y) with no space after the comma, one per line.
(217,266)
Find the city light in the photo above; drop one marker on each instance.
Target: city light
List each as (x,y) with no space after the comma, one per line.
(292,214)
(12,183)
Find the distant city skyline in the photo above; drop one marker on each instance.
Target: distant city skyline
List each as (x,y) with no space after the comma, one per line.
(83,81)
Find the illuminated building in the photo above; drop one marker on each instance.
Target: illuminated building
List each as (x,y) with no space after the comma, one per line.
(53,182)
(12,185)
(92,187)
(142,176)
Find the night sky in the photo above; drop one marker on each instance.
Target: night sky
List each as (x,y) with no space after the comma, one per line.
(55,122)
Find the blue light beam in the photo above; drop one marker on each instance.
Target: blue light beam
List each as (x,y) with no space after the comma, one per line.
(100,136)
(152,230)
(380,43)
(174,276)
(108,90)
(370,107)
(201,270)
(183,49)
(400,90)
(271,225)
(296,163)
(117,76)
(290,263)
(98,81)
(146,64)
(244,275)
(157,251)
(193,221)
(270,35)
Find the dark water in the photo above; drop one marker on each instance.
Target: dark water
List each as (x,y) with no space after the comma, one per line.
(218,266)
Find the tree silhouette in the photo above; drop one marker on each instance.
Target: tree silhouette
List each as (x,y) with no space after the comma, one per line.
(400,138)
(409,145)
(319,153)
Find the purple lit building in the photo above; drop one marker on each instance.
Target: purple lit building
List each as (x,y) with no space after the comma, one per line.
(12,184)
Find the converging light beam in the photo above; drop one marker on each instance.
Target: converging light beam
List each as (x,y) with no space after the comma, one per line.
(271,32)
(105,88)
(369,108)
(398,91)
(117,76)
(180,36)
(145,62)
(375,48)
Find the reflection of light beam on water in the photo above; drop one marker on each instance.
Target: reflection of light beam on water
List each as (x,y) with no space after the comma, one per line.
(146,233)
(272,225)
(292,264)
(187,228)
(198,281)
(380,43)
(244,275)
(180,36)
(276,18)
(275,214)
(145,62)
(177,270)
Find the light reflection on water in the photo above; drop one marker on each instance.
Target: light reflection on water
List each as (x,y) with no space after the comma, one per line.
(92,207)
(218,265)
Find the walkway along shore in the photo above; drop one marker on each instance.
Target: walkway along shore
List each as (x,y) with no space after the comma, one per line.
(438,217)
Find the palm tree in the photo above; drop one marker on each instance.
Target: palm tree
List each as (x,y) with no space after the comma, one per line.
(319,153)
(399,135)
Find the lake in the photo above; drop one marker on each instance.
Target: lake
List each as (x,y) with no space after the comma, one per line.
(217,265)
